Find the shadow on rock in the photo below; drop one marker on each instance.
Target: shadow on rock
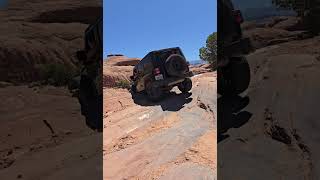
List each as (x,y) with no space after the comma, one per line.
(172,101)
(230,114)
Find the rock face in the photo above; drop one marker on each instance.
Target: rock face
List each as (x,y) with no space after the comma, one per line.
(199,69)
(283,129)
(173,138)
(27,143)
(272,31)
(289,23)
(122,61)
(42,32)
(44,122)
(117,68)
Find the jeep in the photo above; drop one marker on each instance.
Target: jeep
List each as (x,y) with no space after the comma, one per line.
(89,84)
(233,68)
(159,71)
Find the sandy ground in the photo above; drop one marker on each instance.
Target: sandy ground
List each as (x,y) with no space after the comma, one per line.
(30,150)
(281,139)
(173,139)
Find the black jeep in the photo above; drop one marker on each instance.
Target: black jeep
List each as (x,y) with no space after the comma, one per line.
(233,68)
(159,71)
(88,85)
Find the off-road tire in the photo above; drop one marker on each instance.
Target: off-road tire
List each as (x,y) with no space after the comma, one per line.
(154,92)
(133,88)
(74,83)
(234,78)
(312,23)
(83,102)
(94,116)
(176,65)
(185,86)
(91,104)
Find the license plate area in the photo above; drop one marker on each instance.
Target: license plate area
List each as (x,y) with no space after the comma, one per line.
(158,77)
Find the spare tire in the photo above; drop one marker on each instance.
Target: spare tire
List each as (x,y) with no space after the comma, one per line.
(176,65)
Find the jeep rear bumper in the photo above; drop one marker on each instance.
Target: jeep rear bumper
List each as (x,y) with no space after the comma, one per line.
(172,81)
(169,82)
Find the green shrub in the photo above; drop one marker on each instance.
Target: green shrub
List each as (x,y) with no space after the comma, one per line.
(209,52)
(124,84)
(56,74)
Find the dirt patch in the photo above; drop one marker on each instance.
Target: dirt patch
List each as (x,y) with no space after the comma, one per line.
(280,134)
(290,138)
(274,130)
(204,151)
(5,163)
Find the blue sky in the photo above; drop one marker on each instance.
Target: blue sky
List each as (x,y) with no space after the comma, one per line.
(135,27)
(243,4)
(3,3)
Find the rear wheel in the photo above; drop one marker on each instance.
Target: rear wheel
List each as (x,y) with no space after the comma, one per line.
(235,77)
(91,104)
(311,22)
(133,88)
(83,102)
(94,115)
(185,86)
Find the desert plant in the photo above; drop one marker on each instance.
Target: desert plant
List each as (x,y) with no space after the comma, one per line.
(124,84)
(56,74)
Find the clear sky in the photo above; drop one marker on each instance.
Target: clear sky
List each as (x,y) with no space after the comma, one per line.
(135,27)
(3,3)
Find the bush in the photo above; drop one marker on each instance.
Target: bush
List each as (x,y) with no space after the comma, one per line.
(56,74)
(210,51)
(124,84)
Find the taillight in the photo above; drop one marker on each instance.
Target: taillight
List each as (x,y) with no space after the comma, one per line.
(238,16)
(156,71)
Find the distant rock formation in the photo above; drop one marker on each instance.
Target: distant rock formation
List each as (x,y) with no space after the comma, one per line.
(111,55)
(273,30)
(117,68)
